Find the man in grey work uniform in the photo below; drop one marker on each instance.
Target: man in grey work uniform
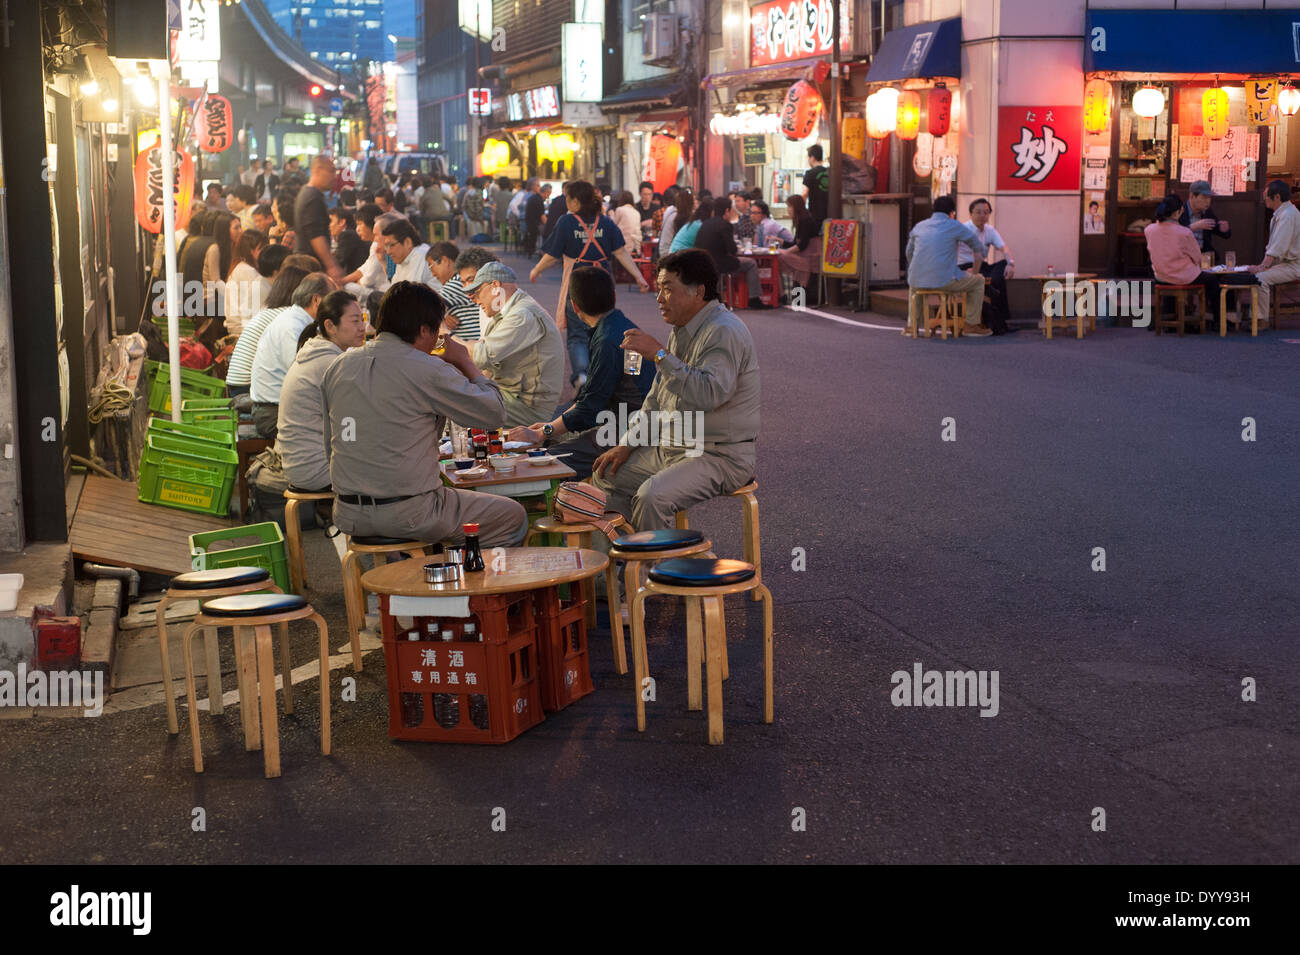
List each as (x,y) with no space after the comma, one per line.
(709,367)
(386,405)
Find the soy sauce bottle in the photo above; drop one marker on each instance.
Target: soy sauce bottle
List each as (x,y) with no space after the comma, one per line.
(473,556)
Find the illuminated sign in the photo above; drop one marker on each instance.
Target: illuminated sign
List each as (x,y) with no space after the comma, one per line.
(583,76)
(784,30)
(540,103)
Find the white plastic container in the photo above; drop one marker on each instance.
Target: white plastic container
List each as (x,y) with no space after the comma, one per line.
(10,584)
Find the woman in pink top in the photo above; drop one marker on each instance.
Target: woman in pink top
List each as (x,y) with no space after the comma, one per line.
(1175,254)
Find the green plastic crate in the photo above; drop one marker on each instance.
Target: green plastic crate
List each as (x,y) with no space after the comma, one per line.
(192,475)
(227,419)
(269,553)
(194,384)
(206,431)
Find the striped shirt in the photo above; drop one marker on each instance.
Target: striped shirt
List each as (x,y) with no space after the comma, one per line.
(459,304)
(241,359)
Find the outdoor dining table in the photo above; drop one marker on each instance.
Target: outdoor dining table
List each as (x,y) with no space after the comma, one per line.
(1062,321)
(769,274)
(525,481)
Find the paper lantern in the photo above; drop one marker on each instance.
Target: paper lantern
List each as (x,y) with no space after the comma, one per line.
(908,122)
(661,161)
(1148,102)
(800,111)
(1214,112)
(149,188)
(923,158)
(496,155)
(1096,106)
(216,124)
(940,110)
(882,113)
(853,137)
(1288,99)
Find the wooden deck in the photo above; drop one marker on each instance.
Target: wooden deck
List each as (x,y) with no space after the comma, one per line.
(111,526)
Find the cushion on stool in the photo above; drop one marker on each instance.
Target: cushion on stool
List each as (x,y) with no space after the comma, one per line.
(253,605)
(382,541)
(658,540)
(329,492)
(701,572)
(220,577)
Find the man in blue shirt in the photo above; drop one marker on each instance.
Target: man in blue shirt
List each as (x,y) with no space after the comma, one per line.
(591,290)
(932,262)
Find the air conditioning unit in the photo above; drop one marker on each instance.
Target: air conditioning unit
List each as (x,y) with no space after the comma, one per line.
(659,38)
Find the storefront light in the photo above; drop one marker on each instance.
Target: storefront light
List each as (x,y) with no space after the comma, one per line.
(1214,112)
(1096,106)
(745,124)
(909,114)
(145,94)
(882,113)
(1288,100)
(1148,102)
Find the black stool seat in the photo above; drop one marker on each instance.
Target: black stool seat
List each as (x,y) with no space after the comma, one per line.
(382,541)
(657,540)
(303,490)
(253,605)
(220,577)
(701,572)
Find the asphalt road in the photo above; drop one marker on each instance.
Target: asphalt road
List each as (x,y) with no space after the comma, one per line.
(1118,689)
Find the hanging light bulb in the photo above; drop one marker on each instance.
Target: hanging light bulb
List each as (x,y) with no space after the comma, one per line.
(109,104)
(1148,102)
(882,113)
(145,94)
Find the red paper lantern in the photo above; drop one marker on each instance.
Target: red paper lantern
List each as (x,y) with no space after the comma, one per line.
(149,188)
(940,110)
(801,110)
(661,161)
(216,125)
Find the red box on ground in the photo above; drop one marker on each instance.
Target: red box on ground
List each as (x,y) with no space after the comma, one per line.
(58,642)
(562,639)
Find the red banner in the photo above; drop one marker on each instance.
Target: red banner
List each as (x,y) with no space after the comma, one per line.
(149,188)
(216,125)
(784,30)
(1039,147)
(661,162)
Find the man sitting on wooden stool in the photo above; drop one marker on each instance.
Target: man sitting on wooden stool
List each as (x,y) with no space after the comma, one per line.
(1282,254)
(932,262)
(387,404)
(693,438)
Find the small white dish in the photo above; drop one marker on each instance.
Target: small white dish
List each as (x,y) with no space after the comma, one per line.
(472,472)
(541,460)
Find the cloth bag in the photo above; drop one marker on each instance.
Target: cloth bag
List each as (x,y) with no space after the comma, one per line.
(577,503)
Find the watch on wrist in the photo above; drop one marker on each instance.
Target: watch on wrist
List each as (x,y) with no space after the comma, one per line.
(547,430)
(659,356)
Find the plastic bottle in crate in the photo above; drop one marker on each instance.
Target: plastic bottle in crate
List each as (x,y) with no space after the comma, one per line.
(412,703)
(446,709)
(431,628)
(478,710)
(471,632)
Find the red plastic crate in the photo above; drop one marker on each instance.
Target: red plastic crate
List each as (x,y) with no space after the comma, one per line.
(58,642)
(562,639)
(504,668)
(735,290)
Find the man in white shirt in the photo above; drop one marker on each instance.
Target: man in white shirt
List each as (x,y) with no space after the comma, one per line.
(1282,254)
(373,274)
(401,243)
(997,310)
(277,348)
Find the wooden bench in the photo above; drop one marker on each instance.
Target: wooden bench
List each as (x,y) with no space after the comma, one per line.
(1180,294)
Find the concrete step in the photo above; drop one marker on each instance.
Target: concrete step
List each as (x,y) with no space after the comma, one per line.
(889,301)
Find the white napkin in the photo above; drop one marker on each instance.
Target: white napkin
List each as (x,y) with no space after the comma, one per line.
(516,445)
(400,606)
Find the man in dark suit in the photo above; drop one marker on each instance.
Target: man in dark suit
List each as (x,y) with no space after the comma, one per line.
(1200,218)
(555,212)
(717,237)
(534,206)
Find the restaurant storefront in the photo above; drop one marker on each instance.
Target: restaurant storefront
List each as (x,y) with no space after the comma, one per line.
(1159,117)
(654,137)
(530,122)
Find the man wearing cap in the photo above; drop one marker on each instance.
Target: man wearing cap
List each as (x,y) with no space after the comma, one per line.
(386,404)
(1200,218)
(521,350)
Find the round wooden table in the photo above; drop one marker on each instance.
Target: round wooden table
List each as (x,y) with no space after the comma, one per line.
(525,568)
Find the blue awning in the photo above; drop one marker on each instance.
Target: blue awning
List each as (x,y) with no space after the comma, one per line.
(1192,41)
(919,52)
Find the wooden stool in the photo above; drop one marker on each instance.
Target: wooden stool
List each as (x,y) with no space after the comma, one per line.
(354,595)
(1254,308)
(635,550)
(437,231)
(949,305)
(748,529)
(703,583)
(293,533)
(1179,294)
(201,584)
(259,612)
(579,535)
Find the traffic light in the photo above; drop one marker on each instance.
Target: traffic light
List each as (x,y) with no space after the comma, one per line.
(315,89)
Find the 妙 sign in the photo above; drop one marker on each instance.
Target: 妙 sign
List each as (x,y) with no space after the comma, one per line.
(149,188)
(1039,147)
(785,30)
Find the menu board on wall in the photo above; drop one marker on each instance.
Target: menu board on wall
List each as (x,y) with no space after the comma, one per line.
(754,149)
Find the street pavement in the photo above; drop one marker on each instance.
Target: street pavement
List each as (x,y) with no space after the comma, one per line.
(1119,689)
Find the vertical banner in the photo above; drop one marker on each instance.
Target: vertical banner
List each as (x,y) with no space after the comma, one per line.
(1039,147)
(840,244)
(661,161)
